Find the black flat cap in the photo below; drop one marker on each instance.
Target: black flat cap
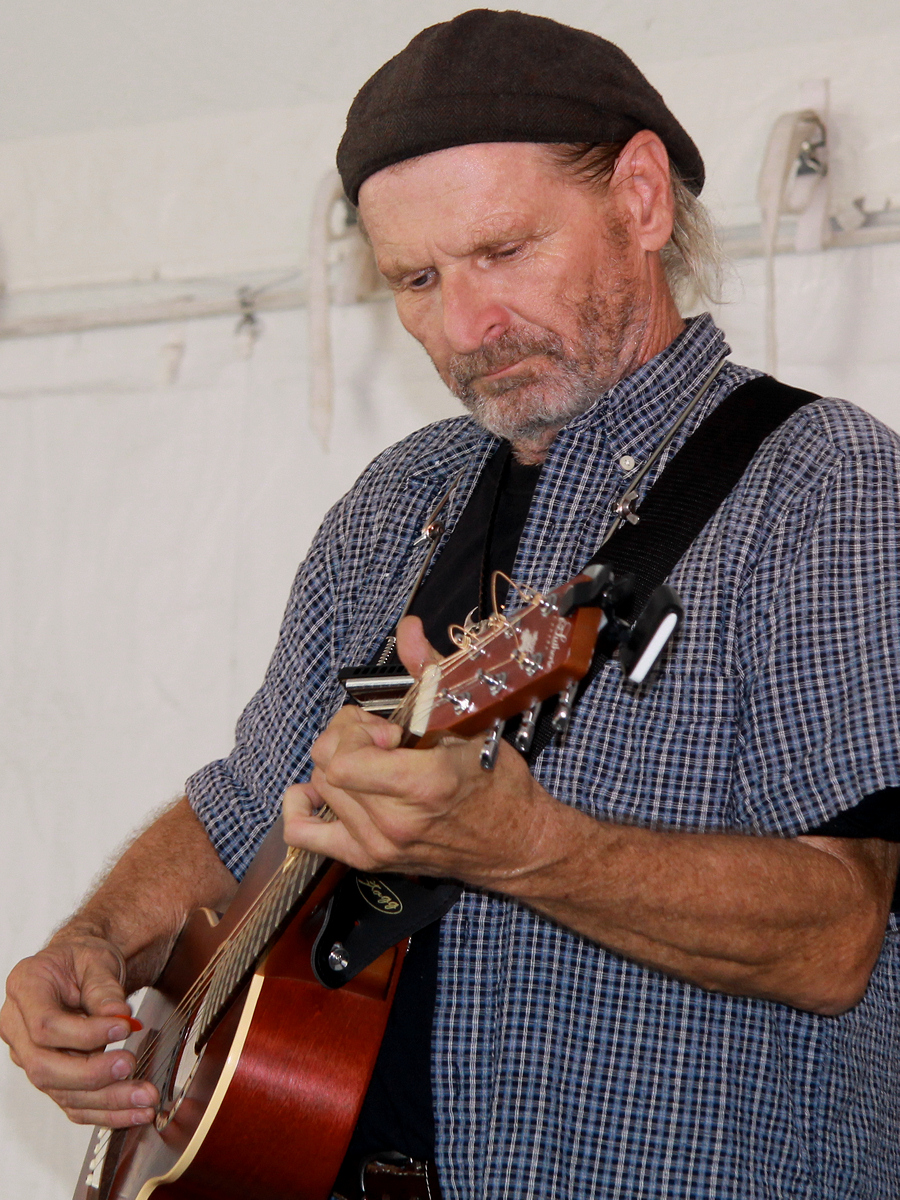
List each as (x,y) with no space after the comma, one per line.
(508,76)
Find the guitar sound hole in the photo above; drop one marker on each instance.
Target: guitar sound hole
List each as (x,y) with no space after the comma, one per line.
(182,1066)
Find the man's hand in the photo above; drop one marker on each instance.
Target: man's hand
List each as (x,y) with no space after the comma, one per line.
(424,812)
(63,1007)
(431,812)
(68,1002)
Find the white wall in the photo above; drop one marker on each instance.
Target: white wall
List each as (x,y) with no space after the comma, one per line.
(151,524)
(222,183)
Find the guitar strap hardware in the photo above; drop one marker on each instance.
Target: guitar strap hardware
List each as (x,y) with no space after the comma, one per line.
(367,914)
(636,556)
(431,534)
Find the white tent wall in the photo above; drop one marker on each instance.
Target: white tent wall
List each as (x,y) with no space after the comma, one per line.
(158,486)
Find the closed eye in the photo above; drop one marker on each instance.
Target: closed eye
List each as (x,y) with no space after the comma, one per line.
(505,252)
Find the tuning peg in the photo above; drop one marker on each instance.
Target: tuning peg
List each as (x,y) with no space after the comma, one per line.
(563,714)
(491,747)
(525,732)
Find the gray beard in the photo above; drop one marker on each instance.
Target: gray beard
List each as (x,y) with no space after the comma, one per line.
(526,407)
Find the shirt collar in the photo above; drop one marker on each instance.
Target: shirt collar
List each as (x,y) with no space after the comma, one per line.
(460,441)
(630,414)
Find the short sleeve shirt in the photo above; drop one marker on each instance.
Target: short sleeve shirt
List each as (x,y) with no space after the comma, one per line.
(561,1069)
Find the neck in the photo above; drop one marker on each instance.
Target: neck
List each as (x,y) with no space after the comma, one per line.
(658,325)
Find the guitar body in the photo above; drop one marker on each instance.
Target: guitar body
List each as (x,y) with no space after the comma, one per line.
(267,1109)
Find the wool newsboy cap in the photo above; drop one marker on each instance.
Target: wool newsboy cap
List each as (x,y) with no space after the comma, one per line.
(491,76)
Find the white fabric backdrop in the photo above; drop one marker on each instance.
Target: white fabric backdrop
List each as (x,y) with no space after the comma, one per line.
(150,527)
(150,531)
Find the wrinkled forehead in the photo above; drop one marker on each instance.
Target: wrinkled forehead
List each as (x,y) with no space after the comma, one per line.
(459,168)
(467,198)
(463,180)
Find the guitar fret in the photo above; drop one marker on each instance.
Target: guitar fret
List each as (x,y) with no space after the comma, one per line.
(247,944)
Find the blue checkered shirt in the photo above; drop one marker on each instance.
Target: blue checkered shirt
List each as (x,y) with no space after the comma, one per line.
(561,1070)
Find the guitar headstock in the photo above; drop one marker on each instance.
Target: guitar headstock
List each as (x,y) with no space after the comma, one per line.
(508,666)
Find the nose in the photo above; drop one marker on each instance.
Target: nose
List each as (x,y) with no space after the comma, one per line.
(472,313)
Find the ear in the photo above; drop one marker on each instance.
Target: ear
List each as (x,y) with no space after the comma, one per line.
(642,184)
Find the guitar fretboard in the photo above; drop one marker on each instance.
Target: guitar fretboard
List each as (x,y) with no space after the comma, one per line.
(243,949)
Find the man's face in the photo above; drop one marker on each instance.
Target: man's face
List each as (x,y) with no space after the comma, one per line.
(526,289)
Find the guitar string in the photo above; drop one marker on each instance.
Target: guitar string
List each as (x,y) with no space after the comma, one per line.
(245,931)
(155,1046)
(234,944)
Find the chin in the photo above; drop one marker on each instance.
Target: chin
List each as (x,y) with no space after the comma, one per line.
(529,411)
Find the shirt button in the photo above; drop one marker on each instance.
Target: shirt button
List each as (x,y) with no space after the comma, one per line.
(627,463)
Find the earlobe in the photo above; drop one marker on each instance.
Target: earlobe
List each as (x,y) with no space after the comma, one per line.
(643,180)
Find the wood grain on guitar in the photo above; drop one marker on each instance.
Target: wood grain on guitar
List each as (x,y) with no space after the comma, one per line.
(261,1069)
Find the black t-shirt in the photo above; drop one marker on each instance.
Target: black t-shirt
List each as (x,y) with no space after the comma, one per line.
(398,1113)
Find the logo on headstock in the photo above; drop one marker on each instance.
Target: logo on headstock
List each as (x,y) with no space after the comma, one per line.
(528,640)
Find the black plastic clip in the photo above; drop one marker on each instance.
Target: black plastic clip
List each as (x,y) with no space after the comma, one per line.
(644,642)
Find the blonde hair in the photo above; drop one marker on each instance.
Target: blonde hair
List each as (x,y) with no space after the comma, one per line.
(692,257)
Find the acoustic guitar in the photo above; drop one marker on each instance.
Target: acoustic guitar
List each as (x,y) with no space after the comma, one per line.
(262,1069)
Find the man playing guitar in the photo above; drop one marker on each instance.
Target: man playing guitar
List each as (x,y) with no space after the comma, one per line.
(668,973)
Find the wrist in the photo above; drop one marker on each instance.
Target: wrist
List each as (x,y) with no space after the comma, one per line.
(83,929)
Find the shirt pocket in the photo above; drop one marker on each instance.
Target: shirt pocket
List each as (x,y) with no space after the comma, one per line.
(655,755)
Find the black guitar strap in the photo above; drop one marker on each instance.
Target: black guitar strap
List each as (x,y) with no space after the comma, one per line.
(687,493)
(696,480)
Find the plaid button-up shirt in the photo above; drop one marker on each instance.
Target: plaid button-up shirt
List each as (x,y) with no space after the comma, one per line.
(561,1069)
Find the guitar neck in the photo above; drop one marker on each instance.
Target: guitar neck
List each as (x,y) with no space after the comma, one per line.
(242,950)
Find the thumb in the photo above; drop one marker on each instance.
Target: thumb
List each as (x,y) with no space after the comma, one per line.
(102,990)
(413,647)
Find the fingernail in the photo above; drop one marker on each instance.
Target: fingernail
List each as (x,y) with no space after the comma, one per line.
(117,1033)
(141,1097)
(121,1069)
(144,1117)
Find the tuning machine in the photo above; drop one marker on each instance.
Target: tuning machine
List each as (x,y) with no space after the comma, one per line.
(491,747)
(525,733)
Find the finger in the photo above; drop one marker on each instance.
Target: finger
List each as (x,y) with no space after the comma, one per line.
(413,647)
(115,1107)
(55,1070)
(63,1068)
(299,802)
(38,1014)
(101,988)
(351,719)
(401,774)
(111,1119)
(352,836)
(354,729)
(334,840)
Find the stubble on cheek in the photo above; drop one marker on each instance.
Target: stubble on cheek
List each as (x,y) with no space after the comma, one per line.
(559,379)
(559,383)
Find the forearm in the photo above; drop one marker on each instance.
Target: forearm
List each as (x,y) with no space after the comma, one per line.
(169,870)
(799,921)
